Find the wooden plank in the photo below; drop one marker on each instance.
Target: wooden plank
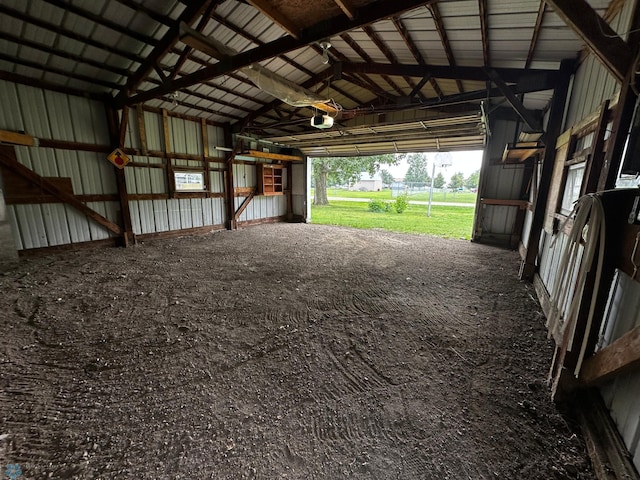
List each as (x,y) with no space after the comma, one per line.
(521,204)
(16,138)
(142,130)
(594,166)
(171,185)
(601,39)
(619,357)
(273,156)
(278,18)
(205,154)
(9,160)
(245,204)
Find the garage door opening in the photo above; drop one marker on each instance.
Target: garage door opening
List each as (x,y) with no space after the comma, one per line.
(431,193)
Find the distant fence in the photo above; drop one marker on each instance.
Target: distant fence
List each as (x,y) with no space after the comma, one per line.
(398,188)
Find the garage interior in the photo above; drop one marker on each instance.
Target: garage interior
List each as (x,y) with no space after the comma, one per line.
(226,336)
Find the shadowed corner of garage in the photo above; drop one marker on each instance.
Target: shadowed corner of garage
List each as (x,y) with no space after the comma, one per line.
(169,311)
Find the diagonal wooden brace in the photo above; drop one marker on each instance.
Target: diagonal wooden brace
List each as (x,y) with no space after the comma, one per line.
(8,160)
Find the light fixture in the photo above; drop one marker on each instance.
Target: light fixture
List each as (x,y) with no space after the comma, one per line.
(325,45)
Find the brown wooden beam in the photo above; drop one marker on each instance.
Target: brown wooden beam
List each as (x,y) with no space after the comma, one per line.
(536,33)
(509,75)
(192,11)
(244,205)
(444,39)
(8,160)
(326,28)
(277,17)
(601,39)
(621,356)
(229,183)
(554,125)
(346,8)
(525,114)
(404,33)
(484,29)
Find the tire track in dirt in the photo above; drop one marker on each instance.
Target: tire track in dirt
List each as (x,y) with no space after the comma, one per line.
(337,426)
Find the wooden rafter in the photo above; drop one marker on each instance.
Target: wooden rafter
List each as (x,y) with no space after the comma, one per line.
(346,8)
(234,28)
(58,71)
(67,33)
(614,53)
(532,122)
(101,20)
(622,355)
(444,39)
(536,33)
(362,54)
(192,11)
(269,11)
(510,75)
(136,6)
(206,16)
(402,30)
(62,53)
(326,28)
(375,38)
(484,29)
(8,159)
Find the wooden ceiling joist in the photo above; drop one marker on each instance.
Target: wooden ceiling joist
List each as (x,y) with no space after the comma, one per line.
(326,28)
(402,30)
(614,53)
(527,116)
(274,14)
(348,10)
(192,11)
(444,39)
(536,33)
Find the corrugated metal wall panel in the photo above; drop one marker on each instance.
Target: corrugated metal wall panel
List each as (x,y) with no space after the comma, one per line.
(98,232)
(154,131)
(15,227)
(196,212)
(135,216)
(161,215)
(185,213)
(173,209)
(55,222)
(10,113)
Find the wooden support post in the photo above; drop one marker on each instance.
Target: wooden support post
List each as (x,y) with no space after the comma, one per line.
(528,267)
(8,159)
(171,186)
(124,120)
(230,182)
(142,130)
(117,137)
(594,165)
(205,156)
(289,192)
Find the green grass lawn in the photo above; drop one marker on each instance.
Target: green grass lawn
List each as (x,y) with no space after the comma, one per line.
(452,222)
(453,197)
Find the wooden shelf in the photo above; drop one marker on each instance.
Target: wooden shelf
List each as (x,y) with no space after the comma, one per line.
(269,179)
(520,152)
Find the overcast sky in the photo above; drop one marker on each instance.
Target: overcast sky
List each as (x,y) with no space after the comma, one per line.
(465,162)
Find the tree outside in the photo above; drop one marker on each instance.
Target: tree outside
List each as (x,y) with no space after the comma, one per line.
(417,173)
(473,180)
(343,170)
(387,178)
(457,181)
(438,181)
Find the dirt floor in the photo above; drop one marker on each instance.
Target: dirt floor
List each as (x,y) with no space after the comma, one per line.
(280,351)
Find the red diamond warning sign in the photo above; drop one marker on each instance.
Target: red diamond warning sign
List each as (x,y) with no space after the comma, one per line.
(118,158)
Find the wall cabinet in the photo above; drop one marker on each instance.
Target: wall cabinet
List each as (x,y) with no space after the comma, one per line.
(269,179)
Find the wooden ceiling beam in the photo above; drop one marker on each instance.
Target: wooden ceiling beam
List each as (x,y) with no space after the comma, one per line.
(612,51)
(324,29)
(67,33)
(136,6)
(170,38)
(375,38)
(62,54)
(509,75)
(484,29)
(444,39)
(100,20)
(348,10)
(44,85)
(278,18)
(364,56)
(536,33)
(526,115)
(204,19)
(404,33)
(59,71)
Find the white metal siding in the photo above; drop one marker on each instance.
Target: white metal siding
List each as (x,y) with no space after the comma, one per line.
(52,115)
